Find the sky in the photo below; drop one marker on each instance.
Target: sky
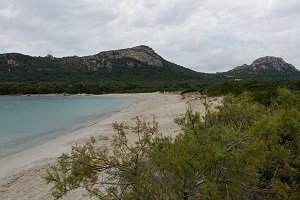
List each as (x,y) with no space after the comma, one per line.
(203,35)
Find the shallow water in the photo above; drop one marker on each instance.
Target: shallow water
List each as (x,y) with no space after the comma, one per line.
(30,120)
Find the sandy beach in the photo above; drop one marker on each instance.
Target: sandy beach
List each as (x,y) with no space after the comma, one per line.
(20,173)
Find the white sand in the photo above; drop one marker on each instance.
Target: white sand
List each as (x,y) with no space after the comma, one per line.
(20,174)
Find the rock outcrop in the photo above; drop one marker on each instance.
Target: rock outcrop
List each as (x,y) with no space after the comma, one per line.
(141,53)
(267,64)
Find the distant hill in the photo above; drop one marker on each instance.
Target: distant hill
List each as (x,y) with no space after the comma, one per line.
(266,67)
(137,64)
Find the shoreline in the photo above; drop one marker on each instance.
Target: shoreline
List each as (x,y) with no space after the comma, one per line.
(77,94)
(6,162)
(66,130)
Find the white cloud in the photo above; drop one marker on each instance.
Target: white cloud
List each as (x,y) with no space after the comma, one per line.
(205,35)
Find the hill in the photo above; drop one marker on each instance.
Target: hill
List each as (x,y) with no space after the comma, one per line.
(268,67)
(137,64)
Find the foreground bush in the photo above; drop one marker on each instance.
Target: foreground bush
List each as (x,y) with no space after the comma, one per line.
(243,151)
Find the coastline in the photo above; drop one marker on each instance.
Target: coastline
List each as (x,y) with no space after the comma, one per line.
(38,130)
(28,157)
(21,173)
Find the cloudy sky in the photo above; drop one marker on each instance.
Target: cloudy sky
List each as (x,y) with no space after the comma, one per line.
(204,35)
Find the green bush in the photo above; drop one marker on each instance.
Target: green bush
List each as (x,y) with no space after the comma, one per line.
(245,150)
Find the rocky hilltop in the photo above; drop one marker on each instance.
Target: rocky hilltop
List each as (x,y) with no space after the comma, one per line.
(143,54)
(267,64)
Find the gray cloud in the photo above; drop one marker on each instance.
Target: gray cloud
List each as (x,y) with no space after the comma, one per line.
(205,35)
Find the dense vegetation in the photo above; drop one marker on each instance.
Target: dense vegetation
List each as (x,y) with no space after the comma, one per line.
(263,91)
(245,150)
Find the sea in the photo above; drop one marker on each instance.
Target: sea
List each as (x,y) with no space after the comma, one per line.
(26,121)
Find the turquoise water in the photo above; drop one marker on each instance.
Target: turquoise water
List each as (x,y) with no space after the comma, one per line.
(30,120)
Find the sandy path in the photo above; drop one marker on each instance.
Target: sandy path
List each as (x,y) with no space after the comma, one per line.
(20,174)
